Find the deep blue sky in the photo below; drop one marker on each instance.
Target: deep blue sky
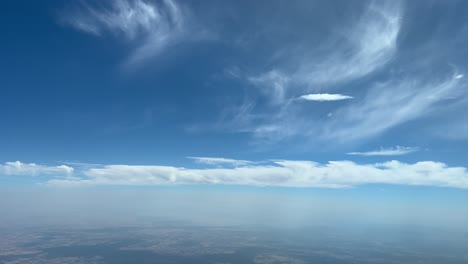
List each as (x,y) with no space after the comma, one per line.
(155,82)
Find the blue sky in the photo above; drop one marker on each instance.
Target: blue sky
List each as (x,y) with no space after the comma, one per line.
(327,94)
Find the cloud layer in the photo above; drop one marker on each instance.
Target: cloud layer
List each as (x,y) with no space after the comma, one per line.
(277,173)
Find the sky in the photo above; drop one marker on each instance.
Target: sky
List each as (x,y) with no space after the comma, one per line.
(330,95)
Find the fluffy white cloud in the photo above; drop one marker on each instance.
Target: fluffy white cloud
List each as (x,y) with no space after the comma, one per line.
(396,151)
(219,161)
(33,169)
(283,173)
(325,97)
(152,26)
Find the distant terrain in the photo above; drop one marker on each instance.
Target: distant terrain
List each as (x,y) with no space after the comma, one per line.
(169,243)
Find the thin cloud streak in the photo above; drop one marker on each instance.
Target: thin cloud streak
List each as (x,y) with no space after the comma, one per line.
(396,151)
(325,97)
(219,161)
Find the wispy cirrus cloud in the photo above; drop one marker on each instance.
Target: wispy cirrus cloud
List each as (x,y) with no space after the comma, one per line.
(273,84)
(396,151)
(280,173)
(353,52)
(321,97)
(391,103)
(149,26)
(220,161)
(33,169)
(368,43)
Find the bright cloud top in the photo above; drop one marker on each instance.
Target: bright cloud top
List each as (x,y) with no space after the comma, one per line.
(279,173)
(325,97)
(396,151)
(33,169)
(153,27)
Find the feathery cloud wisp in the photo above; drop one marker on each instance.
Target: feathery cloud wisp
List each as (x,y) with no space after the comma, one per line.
(389,104)
(360,50)
(151,27)
(368,46)
(396,151)
(325,97)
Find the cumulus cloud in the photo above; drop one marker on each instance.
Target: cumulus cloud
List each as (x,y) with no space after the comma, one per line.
(33,169)
(219,161)
(396,151)
(281,173)
(325,97)
(150,26)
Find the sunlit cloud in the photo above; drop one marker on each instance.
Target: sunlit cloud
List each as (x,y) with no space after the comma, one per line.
(396,151)
(325,97)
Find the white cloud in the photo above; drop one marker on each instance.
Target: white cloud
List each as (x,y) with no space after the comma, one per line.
(219,161)
(396,151)
(151,26)
(33,169)
(325,97)
(281,173)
